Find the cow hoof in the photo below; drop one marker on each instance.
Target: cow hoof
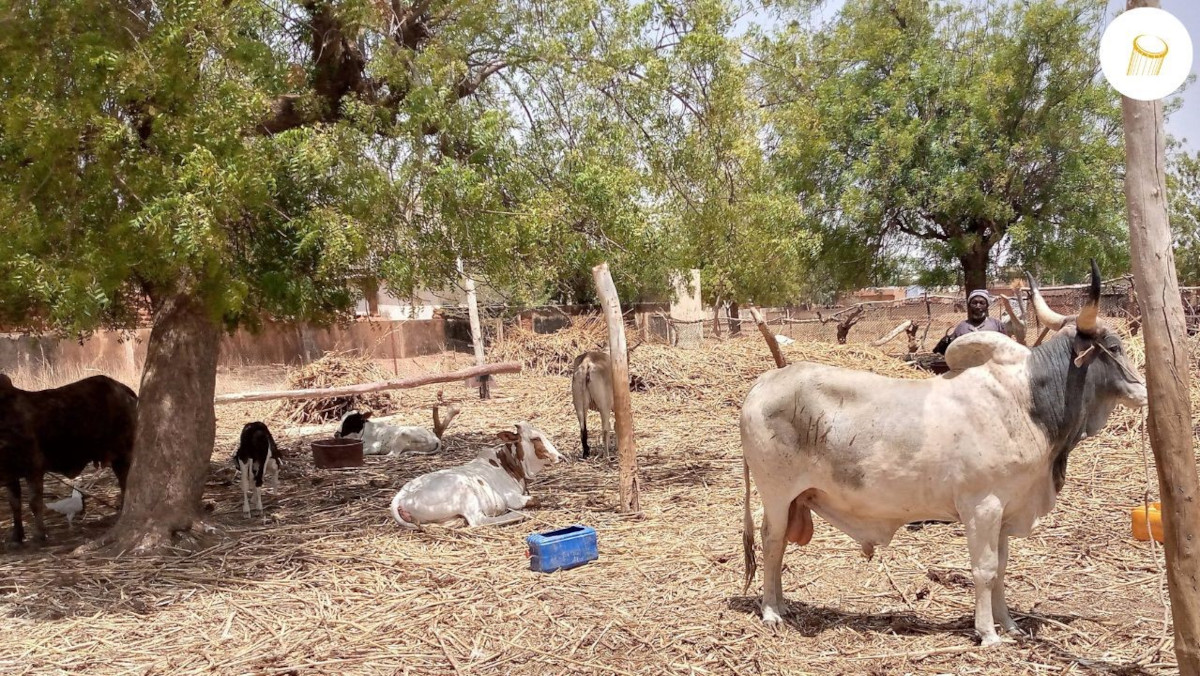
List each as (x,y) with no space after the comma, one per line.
(771,617)
(1012,629)
(989,641)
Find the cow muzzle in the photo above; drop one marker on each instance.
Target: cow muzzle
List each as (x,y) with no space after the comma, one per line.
(1137,397)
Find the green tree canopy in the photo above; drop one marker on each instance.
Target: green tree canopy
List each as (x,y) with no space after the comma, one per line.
(215,163)
(951,132)
(1183,181)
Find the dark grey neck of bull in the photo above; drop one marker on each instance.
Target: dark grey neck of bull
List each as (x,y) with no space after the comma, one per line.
(1067,399)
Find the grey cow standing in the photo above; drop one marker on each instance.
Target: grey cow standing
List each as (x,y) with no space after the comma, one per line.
(985,444)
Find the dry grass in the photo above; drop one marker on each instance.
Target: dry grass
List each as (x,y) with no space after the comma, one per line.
(47,376)
(551,354)
(330,585)
(335,369)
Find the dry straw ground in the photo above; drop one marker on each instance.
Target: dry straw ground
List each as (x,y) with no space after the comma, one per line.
(328,584)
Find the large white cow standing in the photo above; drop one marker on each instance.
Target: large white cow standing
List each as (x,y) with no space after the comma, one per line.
(985,444)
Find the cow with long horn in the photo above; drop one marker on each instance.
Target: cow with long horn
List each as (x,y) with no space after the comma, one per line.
(985,444)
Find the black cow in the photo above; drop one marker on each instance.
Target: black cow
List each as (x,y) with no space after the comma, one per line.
(62,430)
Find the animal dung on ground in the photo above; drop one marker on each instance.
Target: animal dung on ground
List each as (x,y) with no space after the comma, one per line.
(337,453)
(562,549)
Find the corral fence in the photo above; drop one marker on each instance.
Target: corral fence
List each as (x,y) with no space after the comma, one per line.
(280,343)
(933,314)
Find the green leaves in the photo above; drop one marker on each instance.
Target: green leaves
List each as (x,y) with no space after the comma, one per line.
(271,156)
(1183,191)
(953,130)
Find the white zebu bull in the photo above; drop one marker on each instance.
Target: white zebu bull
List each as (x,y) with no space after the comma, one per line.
(985,444)
(484,490)
(591,389)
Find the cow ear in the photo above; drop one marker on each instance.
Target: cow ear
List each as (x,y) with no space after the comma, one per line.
(366,416)
(508,437)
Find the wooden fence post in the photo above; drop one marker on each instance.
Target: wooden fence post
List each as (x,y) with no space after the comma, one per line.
(485,390)
(1167,374)
(365,388)
(772,344)
(622,410)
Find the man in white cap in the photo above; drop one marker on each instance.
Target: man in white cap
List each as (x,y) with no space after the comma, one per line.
(977,320)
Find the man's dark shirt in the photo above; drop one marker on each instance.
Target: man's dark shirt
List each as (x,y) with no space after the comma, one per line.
(964,327)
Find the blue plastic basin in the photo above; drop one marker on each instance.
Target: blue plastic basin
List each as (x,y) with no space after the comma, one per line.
(562,549)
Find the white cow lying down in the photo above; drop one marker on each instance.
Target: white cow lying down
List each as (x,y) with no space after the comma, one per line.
(384,439)
(484,490)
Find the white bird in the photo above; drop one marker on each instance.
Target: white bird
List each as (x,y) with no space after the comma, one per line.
(783,340)
(69,507)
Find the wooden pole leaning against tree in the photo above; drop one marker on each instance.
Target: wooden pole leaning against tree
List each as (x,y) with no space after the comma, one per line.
(1167,376)
(622,409)
(485,390)
(772,344)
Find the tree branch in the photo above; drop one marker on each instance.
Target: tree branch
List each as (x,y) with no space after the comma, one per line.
(469,84)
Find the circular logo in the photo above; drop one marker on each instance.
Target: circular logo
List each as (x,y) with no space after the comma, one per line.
(1146,53)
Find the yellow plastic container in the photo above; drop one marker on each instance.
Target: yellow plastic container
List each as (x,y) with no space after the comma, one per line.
(1140,530)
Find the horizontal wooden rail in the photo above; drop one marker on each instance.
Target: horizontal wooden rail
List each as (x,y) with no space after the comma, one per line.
(365,388)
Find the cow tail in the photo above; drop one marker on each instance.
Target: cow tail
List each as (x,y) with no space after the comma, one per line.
(396,512)
(747,530)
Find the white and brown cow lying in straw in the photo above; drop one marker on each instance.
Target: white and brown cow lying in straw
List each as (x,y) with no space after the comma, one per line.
(485,490)
(985,444)
(384,439)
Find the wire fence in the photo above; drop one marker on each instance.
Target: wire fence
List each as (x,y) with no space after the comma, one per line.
(859,323)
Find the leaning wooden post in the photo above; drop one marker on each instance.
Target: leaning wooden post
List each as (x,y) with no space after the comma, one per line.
(1170,418)
(622,411)
(485,390)
(772,344)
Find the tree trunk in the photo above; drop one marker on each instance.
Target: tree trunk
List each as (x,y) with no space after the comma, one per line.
(1167,372)
(176,428)
(974,266)
(629,491)
(735,324)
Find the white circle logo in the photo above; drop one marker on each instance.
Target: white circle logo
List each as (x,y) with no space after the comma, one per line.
(1146,53)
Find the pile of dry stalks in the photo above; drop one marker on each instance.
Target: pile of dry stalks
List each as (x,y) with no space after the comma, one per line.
(335,369)
(721,368)
(551,354)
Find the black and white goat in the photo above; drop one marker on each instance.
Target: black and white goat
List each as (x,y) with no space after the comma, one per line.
(256,453)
